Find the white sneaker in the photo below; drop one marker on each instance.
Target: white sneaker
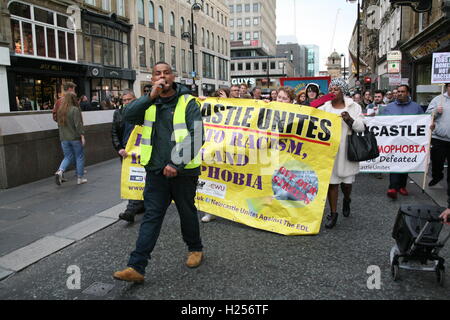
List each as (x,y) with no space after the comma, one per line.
(81,180)
(208,217)
(58,177)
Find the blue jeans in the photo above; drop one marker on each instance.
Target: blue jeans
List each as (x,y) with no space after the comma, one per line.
(73,152)
(158,193)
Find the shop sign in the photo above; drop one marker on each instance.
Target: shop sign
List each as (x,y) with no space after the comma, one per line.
(248,81)
(394,66)
(394,55)
(440,71)
(395,79)
(427,48)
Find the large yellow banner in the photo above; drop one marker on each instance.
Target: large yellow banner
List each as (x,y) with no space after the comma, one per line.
(133,174)
(265,165)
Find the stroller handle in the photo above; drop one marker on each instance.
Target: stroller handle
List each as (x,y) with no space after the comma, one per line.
(438,219)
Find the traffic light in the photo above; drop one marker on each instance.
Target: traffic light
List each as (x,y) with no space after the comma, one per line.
(416,5)
(367,80)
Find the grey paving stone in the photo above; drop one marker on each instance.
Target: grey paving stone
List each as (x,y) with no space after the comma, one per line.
(85,228)
(21,258)
(113,213)
(5,273)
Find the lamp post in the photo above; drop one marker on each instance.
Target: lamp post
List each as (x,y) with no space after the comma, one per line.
(358,36)
(343,56)
(195,7)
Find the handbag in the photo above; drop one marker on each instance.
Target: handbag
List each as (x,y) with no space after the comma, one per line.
(362,146)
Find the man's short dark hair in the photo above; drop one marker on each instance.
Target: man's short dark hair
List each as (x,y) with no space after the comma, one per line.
(406,86)
(379,91)
(149,86)
(162,62)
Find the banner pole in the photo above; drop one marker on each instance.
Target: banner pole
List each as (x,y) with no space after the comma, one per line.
(429,143)
(428,155)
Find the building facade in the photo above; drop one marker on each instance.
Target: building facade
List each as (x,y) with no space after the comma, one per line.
(107,46)
(162,33)
(5,61)
(297,54)
(252,32)
(312,60)
(424,34)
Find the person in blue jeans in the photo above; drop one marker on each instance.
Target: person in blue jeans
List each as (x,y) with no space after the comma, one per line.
(71,134)
(402,105)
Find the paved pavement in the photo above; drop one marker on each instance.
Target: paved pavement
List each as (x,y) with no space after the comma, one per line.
(241,262)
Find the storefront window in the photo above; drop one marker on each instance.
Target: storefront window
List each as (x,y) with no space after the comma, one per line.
(43,16)
(51,43)
(20,10)
(27,36)
(38,92)
(40,41)
(105,45)
(87,49)
(15,28)
(98,50)
(62,45)
(71,45)
(36,36)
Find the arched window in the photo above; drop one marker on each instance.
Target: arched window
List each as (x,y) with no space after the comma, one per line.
(151,14)
(207,39)
(218,44)
(161,19)
(195,33)
(140,13)
(203,37)
(181,25)
(172,24)
(212,40)
(223,47)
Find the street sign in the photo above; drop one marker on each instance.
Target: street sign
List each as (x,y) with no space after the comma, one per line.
(394,66)
(395,79)
(394,55)
(193,74)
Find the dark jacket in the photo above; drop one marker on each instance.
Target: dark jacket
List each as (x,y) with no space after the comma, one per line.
(85,106)
(162,133)
(72,129)
(117,130)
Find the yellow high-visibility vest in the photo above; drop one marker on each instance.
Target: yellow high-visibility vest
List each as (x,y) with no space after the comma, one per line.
(179,127)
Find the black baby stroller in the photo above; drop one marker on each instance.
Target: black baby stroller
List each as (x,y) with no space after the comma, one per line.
(416,232)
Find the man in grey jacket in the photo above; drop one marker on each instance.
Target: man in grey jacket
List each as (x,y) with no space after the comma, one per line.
(440,142)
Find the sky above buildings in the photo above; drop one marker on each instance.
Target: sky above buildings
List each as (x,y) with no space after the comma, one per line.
(315,21)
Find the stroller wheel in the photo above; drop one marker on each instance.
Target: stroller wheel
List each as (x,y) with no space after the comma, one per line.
(395,271)
(440,275)
(393,253)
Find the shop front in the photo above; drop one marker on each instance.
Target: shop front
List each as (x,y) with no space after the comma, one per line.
(420,52)
(106,85)
(36,84)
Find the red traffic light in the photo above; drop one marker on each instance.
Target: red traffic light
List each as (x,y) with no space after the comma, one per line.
(367,80)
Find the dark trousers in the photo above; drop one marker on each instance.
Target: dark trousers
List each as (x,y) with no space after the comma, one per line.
(398,180)
(158,193)
(440,151)
(135,206)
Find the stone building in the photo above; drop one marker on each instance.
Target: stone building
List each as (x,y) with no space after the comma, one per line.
(423,34)
(334,65)
(163,33)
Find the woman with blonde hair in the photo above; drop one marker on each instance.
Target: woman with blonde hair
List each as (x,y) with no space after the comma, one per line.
(71,134)
(286,95)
